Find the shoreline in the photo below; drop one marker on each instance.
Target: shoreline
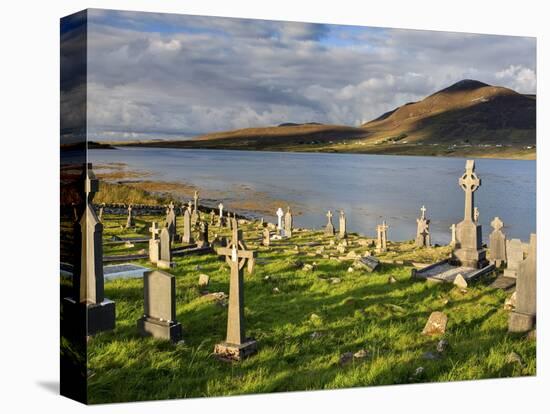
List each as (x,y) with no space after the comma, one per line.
(521,154)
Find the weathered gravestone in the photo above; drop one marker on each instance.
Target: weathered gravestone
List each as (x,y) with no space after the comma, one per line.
(165,260)
(203,235)
(171,221)
(497,243)
(130,219)
(236,345)
(453,235)
(280,213)
(329,228)
(154,243)
(88,278)
(195,215)
(288,223)
(196,200)
(514,256)
(159,307)
(342,231)
(266,237)
(523,318)
(382,237)
(468,251)
(436,324)
(220,207)
(187,237)
(368,263)
(423,230)
(100,214)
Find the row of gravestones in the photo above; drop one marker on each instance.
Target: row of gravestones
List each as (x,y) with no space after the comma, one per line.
(159,316)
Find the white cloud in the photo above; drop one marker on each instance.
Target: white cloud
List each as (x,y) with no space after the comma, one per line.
(519,78)
(187,75)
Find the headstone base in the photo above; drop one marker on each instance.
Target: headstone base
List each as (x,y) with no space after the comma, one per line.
(510,273)
(521,322)
(236,352)
(470,258)
(163,264)
(160,329)
(100,317)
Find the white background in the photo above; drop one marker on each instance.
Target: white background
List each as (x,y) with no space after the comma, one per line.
(29,140)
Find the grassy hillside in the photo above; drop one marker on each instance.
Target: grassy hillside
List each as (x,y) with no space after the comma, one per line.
(304,322)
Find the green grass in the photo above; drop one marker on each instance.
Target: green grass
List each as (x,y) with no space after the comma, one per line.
(364,311)
(119,193)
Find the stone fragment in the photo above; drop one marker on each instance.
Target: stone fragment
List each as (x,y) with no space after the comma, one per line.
(460,281)
(204,280)
(436,324)
(442,345)
(346,358)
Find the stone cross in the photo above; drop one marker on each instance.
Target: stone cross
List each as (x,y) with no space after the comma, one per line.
(171,221)
(154,243)
(220,207)
(469,182)
(91,259)
(203,235)
(187,237)
(195,217)
(236,256)
(288,223)
(382,237)
(523,318)
(196,200)
(88,278)
(329,228)
(130,219)
(497,243)
(423,230)
(342,232)
(468,250)
(280,213)
(159,307)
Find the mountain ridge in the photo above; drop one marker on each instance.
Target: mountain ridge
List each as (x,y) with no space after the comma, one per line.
(467,118)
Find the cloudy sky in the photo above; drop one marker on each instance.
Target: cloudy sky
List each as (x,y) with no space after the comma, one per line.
(174,76)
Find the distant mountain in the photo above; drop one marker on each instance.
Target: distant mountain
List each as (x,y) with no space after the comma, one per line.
(467,112)
(468,118)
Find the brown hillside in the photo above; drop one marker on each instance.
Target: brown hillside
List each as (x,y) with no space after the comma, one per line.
(468,111)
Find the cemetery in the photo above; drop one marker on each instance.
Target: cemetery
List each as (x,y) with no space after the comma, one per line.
(188,300)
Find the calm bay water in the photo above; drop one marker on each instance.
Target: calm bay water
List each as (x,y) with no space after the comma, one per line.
(369,188)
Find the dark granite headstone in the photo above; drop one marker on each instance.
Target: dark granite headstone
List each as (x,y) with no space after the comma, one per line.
(159,303)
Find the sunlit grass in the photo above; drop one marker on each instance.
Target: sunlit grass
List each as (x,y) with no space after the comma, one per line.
(363,311)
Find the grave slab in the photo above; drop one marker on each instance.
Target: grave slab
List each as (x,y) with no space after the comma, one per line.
(446,272)
(124,271)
